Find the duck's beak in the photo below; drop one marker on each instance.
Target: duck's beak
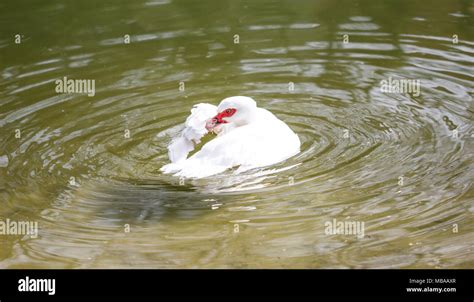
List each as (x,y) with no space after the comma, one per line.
(212,123)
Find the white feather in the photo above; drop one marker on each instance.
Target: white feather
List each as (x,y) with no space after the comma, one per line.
(194,130)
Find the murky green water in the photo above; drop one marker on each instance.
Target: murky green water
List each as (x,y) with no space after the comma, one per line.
(399,163)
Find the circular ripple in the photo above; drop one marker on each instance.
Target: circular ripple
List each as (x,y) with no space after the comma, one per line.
(87,168)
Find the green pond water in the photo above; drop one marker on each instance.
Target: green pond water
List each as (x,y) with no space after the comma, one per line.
(86,168)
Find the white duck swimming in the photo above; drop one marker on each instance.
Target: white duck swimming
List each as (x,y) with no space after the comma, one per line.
(247,137)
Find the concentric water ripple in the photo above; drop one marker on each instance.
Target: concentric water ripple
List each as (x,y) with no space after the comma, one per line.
(87,168)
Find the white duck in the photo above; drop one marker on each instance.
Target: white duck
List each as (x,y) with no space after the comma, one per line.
(247,136)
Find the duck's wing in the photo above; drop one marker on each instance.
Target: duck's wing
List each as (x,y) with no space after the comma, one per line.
(194,130)
(218,155)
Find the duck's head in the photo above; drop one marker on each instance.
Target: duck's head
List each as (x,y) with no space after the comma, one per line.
(234,111)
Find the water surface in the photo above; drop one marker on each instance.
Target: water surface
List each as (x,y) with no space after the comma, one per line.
(87,168)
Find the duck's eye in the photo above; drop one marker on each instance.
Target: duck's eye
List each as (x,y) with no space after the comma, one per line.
(228,111)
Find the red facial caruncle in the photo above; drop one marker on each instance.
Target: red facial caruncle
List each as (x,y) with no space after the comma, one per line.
(219,118)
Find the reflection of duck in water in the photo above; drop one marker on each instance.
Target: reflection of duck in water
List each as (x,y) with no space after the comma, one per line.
(247,136)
